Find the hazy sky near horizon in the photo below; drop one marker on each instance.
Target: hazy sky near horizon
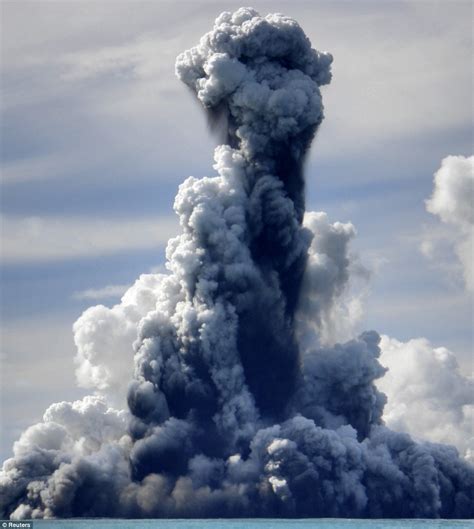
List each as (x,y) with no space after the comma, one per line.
(97,133)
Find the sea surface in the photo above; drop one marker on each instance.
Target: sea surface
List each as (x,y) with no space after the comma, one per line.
(333,523)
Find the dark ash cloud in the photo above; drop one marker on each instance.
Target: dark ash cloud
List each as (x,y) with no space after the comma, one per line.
(229,413)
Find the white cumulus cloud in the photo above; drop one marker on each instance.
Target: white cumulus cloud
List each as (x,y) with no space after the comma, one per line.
(452,201)
(428,396)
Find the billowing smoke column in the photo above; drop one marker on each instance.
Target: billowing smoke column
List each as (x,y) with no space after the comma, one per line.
(239,263)
(237,407)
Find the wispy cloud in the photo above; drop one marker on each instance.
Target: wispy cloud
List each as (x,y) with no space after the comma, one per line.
(42,167)
(135,59)
(109,291)
(40,239)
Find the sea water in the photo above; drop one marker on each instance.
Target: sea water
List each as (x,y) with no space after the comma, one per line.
(269,523)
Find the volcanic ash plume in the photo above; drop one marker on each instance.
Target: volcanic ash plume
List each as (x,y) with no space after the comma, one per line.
(237,407)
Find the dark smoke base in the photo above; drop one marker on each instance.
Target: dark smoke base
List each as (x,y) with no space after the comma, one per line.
(231,416)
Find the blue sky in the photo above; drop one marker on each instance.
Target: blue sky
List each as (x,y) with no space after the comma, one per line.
(97,134)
